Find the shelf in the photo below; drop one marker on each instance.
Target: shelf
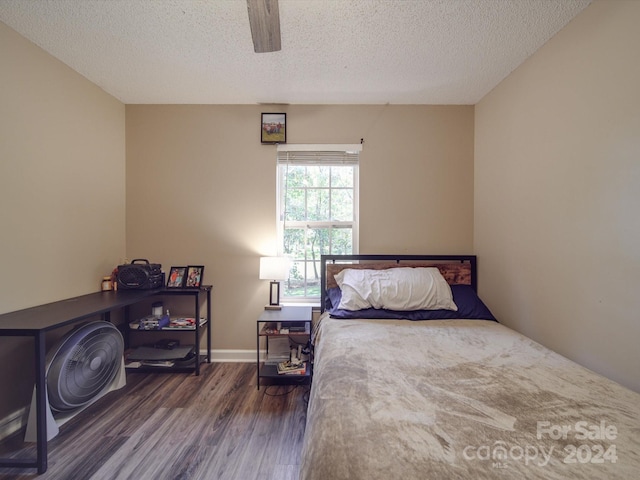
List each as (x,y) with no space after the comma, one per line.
(135,326)
(199,295)
(271,370)
(269,331)
(187,368)
(267,328)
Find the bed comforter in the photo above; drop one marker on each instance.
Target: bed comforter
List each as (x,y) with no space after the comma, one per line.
(460,399)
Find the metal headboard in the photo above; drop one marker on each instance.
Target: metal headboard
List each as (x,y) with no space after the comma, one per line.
(324,259)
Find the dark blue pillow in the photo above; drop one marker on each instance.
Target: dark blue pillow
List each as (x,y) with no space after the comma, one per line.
(469,307)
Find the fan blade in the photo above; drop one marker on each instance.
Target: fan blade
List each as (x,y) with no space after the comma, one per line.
(264,19)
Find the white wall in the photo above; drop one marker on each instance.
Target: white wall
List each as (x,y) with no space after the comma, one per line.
(557,193)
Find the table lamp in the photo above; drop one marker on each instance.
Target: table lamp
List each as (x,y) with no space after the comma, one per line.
(274,269)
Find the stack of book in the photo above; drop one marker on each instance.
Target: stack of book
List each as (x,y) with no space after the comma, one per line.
(292,368)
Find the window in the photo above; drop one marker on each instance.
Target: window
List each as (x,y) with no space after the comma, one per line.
(317,210)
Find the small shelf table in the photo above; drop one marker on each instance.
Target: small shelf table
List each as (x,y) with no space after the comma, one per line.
(198,295)
(270,325)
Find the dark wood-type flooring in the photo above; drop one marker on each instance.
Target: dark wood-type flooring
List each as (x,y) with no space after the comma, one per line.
(179,426)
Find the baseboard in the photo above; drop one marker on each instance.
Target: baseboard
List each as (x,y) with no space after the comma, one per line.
(228,355)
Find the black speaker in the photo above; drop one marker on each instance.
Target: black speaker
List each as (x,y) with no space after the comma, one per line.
(140,274)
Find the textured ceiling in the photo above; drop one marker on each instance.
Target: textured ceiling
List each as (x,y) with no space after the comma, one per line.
(333,51)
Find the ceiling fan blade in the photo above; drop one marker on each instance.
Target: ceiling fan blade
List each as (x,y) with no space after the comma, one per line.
(264,19)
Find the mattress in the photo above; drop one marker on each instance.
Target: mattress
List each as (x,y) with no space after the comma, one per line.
(467,399)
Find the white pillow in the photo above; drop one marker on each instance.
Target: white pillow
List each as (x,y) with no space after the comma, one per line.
(401,289)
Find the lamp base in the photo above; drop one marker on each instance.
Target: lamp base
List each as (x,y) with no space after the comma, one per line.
(274,296)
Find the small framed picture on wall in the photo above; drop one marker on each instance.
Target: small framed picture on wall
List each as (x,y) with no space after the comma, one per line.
(194,276)
(273,128)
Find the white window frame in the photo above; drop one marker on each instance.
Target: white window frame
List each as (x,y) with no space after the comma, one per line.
(313,155)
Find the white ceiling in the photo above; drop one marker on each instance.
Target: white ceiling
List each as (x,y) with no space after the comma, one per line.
(333,51)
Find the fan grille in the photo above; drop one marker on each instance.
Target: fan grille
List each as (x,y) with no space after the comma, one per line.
(84,365)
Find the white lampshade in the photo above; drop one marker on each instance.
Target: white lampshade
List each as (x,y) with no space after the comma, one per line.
(274,268)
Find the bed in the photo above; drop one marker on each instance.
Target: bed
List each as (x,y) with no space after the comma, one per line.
(452,393)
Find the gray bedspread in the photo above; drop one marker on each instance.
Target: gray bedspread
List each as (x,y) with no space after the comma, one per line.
(460,399)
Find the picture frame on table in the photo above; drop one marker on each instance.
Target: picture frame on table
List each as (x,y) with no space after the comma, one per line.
(273,128)
(177,277)
(193,278)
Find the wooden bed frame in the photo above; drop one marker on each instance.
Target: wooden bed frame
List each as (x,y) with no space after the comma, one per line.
(456,269)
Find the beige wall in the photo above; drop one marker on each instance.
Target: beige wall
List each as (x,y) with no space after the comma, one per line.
(62,167)
(62,191)
(201,190)
(557,193)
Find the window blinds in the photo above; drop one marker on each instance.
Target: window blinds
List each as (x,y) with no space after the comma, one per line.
(319,154)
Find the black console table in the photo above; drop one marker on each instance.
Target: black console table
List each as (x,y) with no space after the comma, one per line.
(37,321)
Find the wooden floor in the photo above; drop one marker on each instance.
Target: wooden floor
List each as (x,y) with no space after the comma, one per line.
(179,426)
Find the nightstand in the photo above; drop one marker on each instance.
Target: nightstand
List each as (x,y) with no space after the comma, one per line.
(283,330)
